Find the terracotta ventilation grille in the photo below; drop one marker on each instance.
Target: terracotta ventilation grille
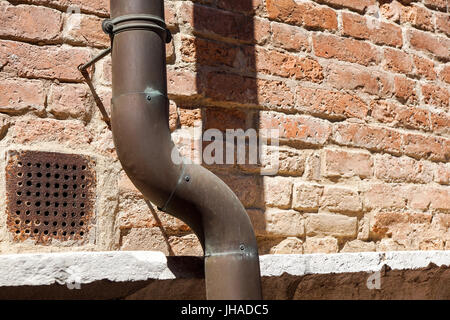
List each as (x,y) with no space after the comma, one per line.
(49,196)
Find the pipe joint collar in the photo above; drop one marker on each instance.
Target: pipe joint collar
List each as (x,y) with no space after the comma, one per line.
(137,22)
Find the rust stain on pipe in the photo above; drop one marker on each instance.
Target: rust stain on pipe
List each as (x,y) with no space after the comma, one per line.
(144,146)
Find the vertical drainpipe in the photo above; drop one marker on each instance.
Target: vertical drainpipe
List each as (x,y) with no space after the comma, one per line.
(143,142)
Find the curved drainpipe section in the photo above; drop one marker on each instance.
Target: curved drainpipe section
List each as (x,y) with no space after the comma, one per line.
(143,142)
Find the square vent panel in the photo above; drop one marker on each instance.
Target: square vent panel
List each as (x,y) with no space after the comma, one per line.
(49,196)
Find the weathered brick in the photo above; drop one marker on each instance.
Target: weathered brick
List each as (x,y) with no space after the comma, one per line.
(443,23)
(440,123)
(284,223)
(384,196)
(441,5)
(285,160)
(278,192)
(247,188)
(214,22)
(170,14)
(290,37)
(70,100)
(334,225)
(403,169)
(405,90)
(70,133)
(30,22)
(247,90)
(359,78)
(426,147)
(47,62)
(328,46)
(428,198)
(436,95)
(289,66)
(181,83)
(306,196)
(400,115)
(340,199)
(371,29)
(427,42)
(99,7)
(19,96)
(359,246)
(297,128)
(444,75)
(368,137)
(302,14)
(397,61)
(417,16)
(240,6)
(442,173)
(290,245)
(424,67)
(356,5)
(86,30)
(330,103)
(341,163)
(321,245)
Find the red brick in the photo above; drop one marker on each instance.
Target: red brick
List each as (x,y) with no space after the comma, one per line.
(377,31)
(386,223)
(297,128)
(181,83)
(70,133)
(417,16)
(302,14)
(426,147)
(358,78)
(433,198)
(400,116)
(85,30)
(246,90)
(356,5)
(340,163)
(47,62)
(345,49)
(289,66)
(367,137)
(444,75)
(170,14)
(397,61)
(405,90)
(427,42)
(214,22)
(70,100)
(30,22)
(212,53)
(443,23)
(440,123)
(99,7)
(330,104)
(290,37)
(425,67)
(227,118)
(261,30)
(19,96)
(404,169)
(436,95)
(247,188)
(441,5)
(240,6)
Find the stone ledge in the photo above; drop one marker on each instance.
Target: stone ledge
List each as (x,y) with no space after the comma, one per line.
(141,274)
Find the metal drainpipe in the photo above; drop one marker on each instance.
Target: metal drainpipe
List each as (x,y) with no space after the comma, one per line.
(144,146)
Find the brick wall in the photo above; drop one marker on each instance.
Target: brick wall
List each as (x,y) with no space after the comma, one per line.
(359,90)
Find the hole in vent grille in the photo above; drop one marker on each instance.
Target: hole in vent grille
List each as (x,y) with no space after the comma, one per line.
(49,195)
